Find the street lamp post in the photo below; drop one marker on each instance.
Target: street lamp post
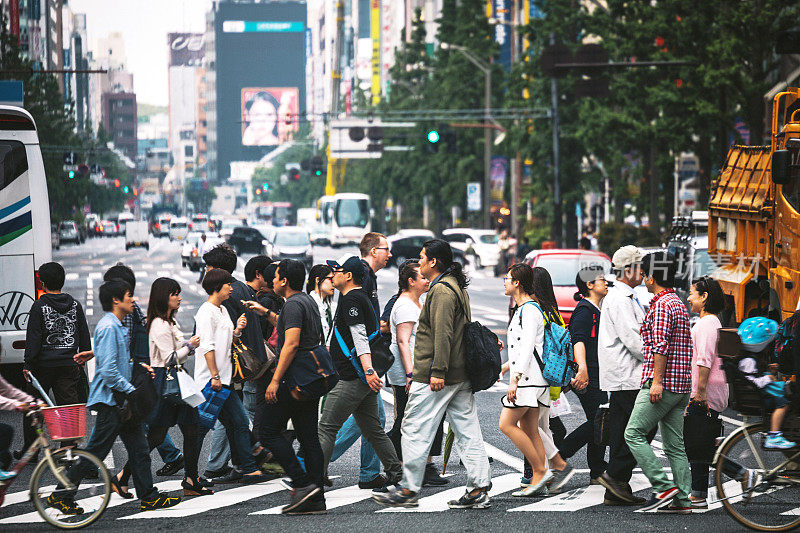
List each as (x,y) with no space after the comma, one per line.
(487,133)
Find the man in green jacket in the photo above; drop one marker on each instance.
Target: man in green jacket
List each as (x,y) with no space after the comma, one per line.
(440,385)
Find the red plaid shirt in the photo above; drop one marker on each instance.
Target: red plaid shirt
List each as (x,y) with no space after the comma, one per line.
(666,331)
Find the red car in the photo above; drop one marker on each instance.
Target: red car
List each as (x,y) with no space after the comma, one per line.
(563,266)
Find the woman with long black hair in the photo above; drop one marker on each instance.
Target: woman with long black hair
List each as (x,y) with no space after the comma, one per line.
(320,287)
(168,348)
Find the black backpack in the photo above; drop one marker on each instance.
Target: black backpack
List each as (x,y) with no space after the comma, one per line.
(481,352)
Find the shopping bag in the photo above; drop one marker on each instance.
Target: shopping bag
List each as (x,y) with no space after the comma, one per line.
(190,392)
(560,407)
(210,408)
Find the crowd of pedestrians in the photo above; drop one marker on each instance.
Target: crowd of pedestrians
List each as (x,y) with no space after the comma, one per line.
(647,364)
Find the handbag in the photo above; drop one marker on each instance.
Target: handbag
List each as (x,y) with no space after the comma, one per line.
(246,365)
(700,431)
(209,410)
(136,406)
(311,374)
(171,392)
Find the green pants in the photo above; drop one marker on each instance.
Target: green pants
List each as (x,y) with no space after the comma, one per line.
(668,414)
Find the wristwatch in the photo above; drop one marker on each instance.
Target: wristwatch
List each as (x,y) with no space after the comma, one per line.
(369,371)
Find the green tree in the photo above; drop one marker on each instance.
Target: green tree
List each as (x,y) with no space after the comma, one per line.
(301,193)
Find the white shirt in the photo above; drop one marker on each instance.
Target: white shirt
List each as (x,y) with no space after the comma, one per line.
(215,329)
(526,334)
(404,310)
(619,343)
(164,340)
(322,305)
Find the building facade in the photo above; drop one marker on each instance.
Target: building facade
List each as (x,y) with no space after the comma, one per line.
(119,120)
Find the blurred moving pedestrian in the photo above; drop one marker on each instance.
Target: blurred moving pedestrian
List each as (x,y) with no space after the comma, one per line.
(666,386)
(11,399)
(440,386)
(709,386)
(110,389)
(167,348)
(583,328)
(57,337)
(527,389)
(619,357)
(355,395)
(213,366)
(299,330)
(320,289)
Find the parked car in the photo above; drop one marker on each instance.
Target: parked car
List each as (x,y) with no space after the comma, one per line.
(563,266)
(68,231)
(291,243)
(407,244)
(482,242)
(248,240)
(109,229)
(178,229)
(55,238)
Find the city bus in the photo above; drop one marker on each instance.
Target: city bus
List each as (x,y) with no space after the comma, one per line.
(25,241)
(346,216)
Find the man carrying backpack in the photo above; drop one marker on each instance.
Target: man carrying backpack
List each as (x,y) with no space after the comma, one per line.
(440,385)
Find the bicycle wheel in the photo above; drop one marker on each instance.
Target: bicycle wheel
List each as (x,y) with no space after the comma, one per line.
(92,498)
(759,488)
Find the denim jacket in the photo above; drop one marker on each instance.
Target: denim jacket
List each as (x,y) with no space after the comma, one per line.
(112,361)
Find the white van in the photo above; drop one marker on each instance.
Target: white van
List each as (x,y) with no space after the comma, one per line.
(25,240)
(178,228)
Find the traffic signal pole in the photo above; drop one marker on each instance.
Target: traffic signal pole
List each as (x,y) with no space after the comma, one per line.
(557,222)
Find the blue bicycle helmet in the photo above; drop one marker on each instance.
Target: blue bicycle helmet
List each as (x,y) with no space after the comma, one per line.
(757,332)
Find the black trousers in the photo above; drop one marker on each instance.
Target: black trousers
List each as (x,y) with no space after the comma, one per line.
(400,401)
(304,417)
(583,435)
(65,382)
(191,451)
(6,436)
(620,459)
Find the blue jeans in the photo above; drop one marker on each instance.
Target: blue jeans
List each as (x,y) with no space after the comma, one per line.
(348,435)
(220,453)
(237,429)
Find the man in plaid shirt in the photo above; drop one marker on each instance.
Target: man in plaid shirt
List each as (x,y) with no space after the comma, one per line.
(666,387)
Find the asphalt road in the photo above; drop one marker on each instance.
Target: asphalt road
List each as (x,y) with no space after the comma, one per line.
(236,507)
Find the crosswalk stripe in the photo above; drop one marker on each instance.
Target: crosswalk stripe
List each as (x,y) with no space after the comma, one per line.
(115,501)
(25,495)
(438,502)
(333,499)
(163,273)
(578,499)
(220,499)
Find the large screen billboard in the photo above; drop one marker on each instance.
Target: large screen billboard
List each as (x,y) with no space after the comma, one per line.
(260,64)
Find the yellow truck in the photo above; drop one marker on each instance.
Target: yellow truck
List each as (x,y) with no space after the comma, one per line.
(754,219)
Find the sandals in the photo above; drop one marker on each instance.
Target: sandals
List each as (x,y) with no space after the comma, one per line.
(195,488)
(116,487)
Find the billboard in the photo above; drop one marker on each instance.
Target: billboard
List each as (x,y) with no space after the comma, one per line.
(186,49)
(261,78)
(270,115)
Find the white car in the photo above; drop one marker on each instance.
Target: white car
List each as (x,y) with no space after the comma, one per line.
(291,243)
(482,242)
(178,228)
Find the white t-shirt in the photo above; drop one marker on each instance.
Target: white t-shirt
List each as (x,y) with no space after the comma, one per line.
(215,329)
(404,310)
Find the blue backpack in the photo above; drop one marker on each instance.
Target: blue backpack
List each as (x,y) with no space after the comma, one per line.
(558,359)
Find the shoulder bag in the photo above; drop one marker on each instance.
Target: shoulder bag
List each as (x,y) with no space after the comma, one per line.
(311,374)
(382,358)
(137,406)
(246,365)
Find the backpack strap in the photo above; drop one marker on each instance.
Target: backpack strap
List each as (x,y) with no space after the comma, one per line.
(460,303)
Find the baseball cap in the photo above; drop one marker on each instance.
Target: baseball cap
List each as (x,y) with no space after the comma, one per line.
(347,263)
(627,256)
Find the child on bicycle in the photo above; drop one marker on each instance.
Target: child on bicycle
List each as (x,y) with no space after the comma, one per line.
(774,400)
(11,398)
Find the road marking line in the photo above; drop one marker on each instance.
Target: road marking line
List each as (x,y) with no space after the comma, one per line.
(219,499)
(72,276)
(148,266)
(578,499)
(333,499)
(167,265)
(140,273)
(163,273)
(95,275)
(89,311)
(25,495)
(114,501)
(438,502)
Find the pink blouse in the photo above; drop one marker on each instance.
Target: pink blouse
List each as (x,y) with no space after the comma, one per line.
(704,353)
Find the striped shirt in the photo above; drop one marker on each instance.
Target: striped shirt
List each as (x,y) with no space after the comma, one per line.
(666,331)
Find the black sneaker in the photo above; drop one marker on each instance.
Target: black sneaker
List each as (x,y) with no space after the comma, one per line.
(659,499)
(64,505)
(234,476)
(397,498)
(620,490)
(313,505)
(386,489)
(300,496)
(468,501)
(612,500)
(379,481)
(171,468)
(213,474)
(161,500)
(432,477)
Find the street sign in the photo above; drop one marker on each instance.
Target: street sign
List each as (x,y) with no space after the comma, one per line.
(474,196)
(12,93)
(69,158)
(68,168)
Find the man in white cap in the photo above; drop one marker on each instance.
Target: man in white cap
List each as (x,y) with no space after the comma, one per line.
(620,366)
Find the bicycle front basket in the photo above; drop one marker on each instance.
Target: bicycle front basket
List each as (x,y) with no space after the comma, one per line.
(66,422)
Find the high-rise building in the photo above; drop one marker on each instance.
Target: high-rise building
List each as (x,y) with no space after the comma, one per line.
(107,53)
(186,52)
(201,123)
(119,120)
(209,97)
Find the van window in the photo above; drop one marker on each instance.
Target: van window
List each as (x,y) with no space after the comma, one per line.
(13,162)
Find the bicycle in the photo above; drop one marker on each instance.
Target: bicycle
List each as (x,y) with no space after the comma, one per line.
(49,478)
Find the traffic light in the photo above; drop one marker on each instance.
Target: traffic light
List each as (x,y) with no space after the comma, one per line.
(258,192)
(433,140)
(317,166)
(116,183)
(126,189)
(294,174)
(71,174)
(265,186)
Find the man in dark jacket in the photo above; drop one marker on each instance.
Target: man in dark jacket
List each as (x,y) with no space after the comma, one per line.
(57,333)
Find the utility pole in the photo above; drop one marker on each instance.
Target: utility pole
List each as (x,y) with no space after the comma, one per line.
(557,222)
(332,179)
(487,149)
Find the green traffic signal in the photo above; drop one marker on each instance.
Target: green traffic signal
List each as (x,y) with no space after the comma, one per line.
(318,172)
(433,136)
(71,174)
(126,189)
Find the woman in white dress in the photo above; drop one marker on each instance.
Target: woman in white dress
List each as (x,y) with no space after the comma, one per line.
(527,389)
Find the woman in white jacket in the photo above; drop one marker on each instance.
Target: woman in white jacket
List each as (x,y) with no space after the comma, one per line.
(527,389)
